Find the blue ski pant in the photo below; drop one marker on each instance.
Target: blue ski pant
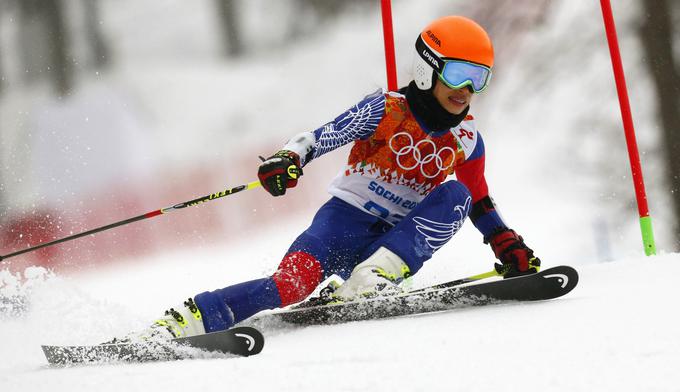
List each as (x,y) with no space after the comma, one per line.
(340,237)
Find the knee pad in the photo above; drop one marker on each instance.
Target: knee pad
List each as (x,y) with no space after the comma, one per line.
(297,276)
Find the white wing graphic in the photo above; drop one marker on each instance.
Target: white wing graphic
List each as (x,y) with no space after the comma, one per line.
(438,233)
(355,123)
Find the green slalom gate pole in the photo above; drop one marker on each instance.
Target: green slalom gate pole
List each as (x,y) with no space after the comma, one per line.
(647,235)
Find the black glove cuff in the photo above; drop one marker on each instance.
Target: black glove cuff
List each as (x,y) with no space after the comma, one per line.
(482,207)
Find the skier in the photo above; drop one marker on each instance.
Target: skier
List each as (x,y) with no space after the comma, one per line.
(391,206)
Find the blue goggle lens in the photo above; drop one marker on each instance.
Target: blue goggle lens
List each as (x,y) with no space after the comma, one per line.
(458,74)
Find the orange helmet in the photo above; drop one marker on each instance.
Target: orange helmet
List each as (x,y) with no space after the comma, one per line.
(459,41)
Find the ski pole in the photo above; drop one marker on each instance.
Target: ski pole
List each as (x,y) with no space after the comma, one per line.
(458,282)
(151,214)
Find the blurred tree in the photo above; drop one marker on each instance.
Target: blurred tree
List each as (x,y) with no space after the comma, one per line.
(3,79)
(59,49)
(4,10)
(227,10)
(44,42)
(326,9)
(657,38)
(99,50)
(312,15)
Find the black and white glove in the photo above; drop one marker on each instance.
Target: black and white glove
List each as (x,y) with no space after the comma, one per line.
(279,172)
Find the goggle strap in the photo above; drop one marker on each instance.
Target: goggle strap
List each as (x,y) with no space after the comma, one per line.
(428,55)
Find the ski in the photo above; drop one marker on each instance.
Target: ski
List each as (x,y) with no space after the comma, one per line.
(547,284)
(239,341)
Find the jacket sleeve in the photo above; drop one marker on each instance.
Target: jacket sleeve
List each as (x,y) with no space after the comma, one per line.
(483,214)
(358,122)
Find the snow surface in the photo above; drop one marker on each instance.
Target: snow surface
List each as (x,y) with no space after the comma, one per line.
(616,331)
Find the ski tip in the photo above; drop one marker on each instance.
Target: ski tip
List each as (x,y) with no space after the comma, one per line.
(251,338)
(239,341)
(566,276)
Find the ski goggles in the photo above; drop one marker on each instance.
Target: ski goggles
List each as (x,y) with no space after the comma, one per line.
(459,74)
(455,73)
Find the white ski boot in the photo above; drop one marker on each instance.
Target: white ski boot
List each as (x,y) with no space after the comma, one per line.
(380,274)
(181,322)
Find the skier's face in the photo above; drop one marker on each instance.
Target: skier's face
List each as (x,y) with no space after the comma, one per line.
(452,100)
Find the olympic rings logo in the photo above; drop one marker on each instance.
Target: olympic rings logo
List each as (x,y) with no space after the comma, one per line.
(414,153)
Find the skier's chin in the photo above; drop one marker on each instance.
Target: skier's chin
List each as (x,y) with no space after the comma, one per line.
(454,107)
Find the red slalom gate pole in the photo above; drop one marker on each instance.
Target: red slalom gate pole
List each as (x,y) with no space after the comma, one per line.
(629,130)
(388,35)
